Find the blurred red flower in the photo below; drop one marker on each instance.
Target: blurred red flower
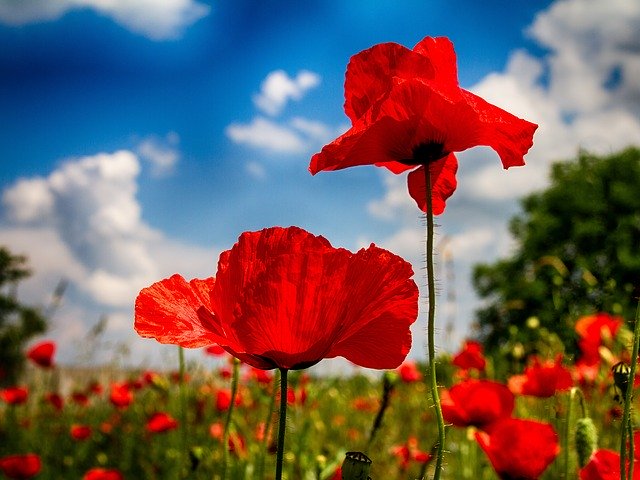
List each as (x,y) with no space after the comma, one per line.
(407,110)
(80,398)
(80,432)
(519,449)
(121,395)
(471,356)
(594,331)
(263,377)
(14,395)
(103,474)
(21,466)
(542,379)
(215,350)
(223,400)
(476,402)
(409,452)
(55,400)
(605,465)
(284,298)
(42,354)
(161,422)
(409,372)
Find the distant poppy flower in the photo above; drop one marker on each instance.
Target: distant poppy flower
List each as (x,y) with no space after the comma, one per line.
(263,377)
(409,372)
(42,354)
(121,395)
(14,395)
(215,350)
(95,387)
(223,400)
(161,422)
(594,331)
(284,298)
(542,379)
(21,466)
(407,110)
(103,474)
(80,398)
(471,356)
(80,432)
(605,465)
(519,449)
(216,430)
(409,452)
(476,402)
(55,400)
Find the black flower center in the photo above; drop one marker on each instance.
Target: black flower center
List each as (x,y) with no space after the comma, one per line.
(426,153)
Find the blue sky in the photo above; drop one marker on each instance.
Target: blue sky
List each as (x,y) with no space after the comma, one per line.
(140,140)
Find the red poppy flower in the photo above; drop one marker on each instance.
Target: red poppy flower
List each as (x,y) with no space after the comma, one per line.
(223,400)
(215,350)
(80,432)
(409,372)
(542,379)
(42,354)
(519,449)
(103,474)
(407,110)
(161,422)
(14,395)
(55,400)
(121,395)
(476,402)
(605,465)
(471,356)
(594,331)
(284,298)
(20,466)
(409,452)
(80,398)
(263,377)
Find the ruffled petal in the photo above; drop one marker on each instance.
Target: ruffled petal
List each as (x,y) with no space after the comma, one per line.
(440,52)
(370,75)
(443,183)
(511,137)
(168,312)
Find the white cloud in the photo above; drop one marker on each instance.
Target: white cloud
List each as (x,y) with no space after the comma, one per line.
(278,88)
(155,20)
(263,133)
(90,214)
(161,153)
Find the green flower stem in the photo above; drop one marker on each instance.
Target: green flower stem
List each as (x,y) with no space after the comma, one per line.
(573,393)
(433,383)
(267,428)
(282,422)
(183,412)
(627,423)
(227,422)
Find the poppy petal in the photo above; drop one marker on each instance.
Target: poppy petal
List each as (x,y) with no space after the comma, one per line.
(443,183)
(442,56)
(168,312)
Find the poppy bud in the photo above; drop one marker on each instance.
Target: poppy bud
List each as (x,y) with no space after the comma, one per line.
(621,372)
(586,440)
(356,466)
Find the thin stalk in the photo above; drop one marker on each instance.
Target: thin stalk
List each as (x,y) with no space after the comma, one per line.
(227,422)
(282,422)
(574,392)
(267,428)
(433,383)
(183,411)
(627,423)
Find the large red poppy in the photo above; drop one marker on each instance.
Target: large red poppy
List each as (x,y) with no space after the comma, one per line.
(42,354)
(407,110)
(21,466)
(284,298)
(605,465)
(519,449)
(594,331)
(476,402)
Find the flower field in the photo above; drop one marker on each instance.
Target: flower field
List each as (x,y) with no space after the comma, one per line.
(110,424)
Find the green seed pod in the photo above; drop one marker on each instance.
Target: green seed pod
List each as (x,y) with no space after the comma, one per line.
(586,440)
(356,466)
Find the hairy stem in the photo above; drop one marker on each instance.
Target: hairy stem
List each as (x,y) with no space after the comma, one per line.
(282,422)
(227,422)
(433,383)
(627,423)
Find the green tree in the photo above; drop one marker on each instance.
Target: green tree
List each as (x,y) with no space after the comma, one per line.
(18,323)
(577,252)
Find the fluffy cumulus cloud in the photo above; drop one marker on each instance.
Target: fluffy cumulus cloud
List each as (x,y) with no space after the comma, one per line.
(83,223)
(583,93)
(156,20)
(278,88)
(161,153)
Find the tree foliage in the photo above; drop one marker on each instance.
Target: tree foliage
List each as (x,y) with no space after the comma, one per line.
(577,252)
(18,323)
